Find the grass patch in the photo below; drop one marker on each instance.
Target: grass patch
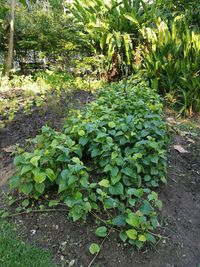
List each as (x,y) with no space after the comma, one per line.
(14,252)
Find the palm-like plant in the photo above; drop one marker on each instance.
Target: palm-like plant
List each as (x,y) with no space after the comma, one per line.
(112,27)
(173,61)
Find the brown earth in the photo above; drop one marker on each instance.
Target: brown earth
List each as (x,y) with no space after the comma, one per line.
(179,245)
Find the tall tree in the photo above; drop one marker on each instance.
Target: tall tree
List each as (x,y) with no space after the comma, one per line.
(9,59)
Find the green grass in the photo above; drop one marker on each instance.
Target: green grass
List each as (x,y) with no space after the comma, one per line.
(16,253)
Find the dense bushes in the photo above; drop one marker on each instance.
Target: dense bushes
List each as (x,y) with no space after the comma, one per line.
(45,32)
(107,157)
(172,60)
(134,33)
(112,28)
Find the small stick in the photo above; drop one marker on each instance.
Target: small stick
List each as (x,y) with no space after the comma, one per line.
(158,235)
(90,264)
(98,218)
(36,211)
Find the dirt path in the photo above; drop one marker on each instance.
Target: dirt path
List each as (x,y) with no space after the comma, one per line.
(69,242)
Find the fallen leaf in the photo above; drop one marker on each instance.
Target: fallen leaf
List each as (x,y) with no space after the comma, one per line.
(9,149)
(180,149)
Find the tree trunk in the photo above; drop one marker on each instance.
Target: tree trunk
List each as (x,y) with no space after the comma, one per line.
(9,59)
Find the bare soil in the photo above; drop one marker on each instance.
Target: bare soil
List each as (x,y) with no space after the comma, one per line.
(179,245)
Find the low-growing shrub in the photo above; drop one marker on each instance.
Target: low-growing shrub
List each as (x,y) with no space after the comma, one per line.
(107,157)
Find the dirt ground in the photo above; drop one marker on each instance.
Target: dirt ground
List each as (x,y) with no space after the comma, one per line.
(179,245)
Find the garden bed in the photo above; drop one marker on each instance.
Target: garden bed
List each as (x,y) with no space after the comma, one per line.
(179,244)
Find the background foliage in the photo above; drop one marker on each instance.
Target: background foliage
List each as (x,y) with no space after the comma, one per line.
(172,60)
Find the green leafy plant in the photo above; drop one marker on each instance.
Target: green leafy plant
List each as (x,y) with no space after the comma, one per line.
(172,61)
(112,28)
(123,137)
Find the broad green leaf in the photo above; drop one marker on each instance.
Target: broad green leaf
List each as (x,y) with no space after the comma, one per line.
(114,171)
(40,188)
(133,220)
(65,174)
(14,181)
(83,140)
(76,160)
(35,160)
(72,179)
(116,189)
(154,159)
(94,248)
(151,238)
(123,236)
(39,176)
(26,188)
(154,222)
(95,152)
(132,234)
(111,124)
(132,19)
(120,220)
(76,213)
(26,169)
(70,142)
(53,203)
(81,133)
(139,244)
(128,171)
(142,238)
(110,203)
(50,174)
(146,208)
(18,160)
(84,182)
(154,171)
(25,203)
(101,231)
(116,179)
(147,178)
(104,183)
(87,207)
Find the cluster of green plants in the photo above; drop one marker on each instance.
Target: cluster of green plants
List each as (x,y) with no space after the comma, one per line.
(43,31)
(106,160)
(113,27)
(165,42)
(189,9)
(172,61)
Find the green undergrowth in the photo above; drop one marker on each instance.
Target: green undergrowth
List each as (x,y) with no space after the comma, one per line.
(16,253)
(107,160)
(43,90)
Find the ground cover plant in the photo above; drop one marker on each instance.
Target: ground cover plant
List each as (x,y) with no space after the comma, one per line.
(123,138)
